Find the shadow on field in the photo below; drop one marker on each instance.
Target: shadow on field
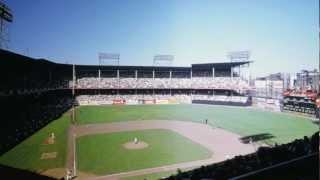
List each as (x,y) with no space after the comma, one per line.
(256,138)
(316,122)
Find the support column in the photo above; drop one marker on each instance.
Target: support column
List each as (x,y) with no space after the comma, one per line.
(170,85)
(213,73)
(191,83)
(136,77)
(99,80)
(231,74)
(118,77)
(73,79)
(153,74)
(136,74)
(153,83)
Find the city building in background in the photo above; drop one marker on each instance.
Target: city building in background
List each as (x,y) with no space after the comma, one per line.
(271,86)
(307,80)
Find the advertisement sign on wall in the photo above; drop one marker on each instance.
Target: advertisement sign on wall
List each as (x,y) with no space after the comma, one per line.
(118,101)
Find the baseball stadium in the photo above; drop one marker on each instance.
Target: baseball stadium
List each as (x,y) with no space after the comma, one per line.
(161,121)
(125,122)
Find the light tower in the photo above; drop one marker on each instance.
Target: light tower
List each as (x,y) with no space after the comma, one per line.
(112,59)
(242,71)
(109,59)
(163,60)
(5,18)
(239,56)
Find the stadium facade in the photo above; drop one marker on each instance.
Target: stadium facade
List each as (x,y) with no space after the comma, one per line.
(130,84)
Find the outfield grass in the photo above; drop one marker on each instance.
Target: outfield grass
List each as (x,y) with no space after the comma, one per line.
(26,155)
(244,121)
(104,153)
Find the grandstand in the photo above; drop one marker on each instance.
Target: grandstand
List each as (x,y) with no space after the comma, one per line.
(139,84)
(215,81)
(302,98)
(301,101)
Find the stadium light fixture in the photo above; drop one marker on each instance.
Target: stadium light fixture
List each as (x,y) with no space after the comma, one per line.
(113,58)
(5,17)
(160,60)
(5,13)
(239,56)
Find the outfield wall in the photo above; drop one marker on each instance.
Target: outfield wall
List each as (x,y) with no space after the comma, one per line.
(266,103)
(133,102)
(117,101)
(225,103)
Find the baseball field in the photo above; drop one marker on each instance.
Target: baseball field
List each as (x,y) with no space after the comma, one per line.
(168,136)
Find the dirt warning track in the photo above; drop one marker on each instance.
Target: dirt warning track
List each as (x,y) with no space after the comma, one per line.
(221,143)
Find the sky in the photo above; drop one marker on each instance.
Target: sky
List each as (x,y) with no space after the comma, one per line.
(281,35)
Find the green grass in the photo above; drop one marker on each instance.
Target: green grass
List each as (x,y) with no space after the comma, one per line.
(104,154)
(284,127)
(27,154)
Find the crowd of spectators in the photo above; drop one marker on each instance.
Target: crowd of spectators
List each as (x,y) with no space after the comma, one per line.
(264,157)
(235,83)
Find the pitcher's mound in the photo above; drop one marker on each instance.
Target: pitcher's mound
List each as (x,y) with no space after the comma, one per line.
(132,145)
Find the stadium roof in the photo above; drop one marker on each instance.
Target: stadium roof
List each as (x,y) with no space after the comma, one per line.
(124,67)
(18,60)
(222,65)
